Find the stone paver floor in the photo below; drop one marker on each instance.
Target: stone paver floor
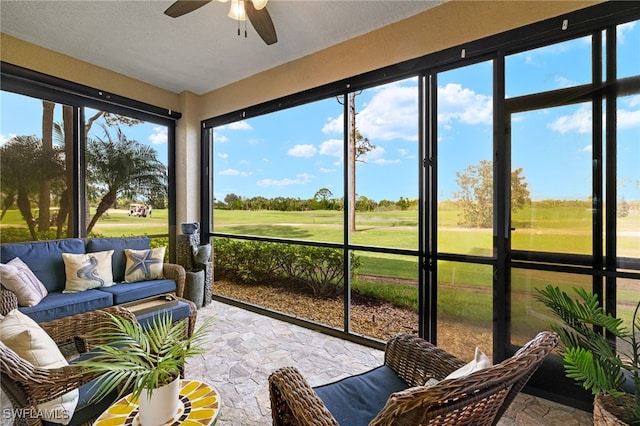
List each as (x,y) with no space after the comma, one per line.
(246,347)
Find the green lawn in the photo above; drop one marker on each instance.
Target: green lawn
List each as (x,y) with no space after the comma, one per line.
(552,229)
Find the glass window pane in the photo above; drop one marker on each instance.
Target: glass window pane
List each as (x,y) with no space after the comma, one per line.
(628,295)
(302,281)
(628,179)
(548,68)
(528,316)
(281,174)
(385,193)
(552,165)
(628,49)
(384,295)
(465,167)
(35,140)
(127,182)
(465,308)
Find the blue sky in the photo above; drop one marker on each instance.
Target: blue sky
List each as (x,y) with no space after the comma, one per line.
(295,152)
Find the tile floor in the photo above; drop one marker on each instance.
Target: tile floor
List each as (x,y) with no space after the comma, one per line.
(247,347)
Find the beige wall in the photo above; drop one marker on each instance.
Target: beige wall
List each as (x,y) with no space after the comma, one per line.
(450,24)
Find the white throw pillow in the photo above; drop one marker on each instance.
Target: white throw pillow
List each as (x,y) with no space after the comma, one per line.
(480,361)
(25,337)
(144,265)
(85,271)
(16,276)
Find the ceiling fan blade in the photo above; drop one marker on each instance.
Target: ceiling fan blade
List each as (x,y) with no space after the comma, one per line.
(261,21)
(182,7)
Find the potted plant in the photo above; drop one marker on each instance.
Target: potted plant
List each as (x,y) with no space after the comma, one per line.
(148,361)
(591,359)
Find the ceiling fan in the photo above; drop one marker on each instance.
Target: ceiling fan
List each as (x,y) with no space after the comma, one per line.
(255,10)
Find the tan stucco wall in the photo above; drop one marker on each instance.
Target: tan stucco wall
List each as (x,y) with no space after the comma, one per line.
(447,25)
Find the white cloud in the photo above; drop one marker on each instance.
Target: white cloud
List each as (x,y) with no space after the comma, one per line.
(373,155)
(159,135)
(255,141)
(266,160)
(332,147)
(237,125)
(325,170)
(622,30)
(4,139)
(403,152)
(218,138)
(234,172)
(302,151)
(223,155)
(579,121)
(334,125)
(383,161)
(244,162)
(392,113)
(456,103)
(628,119)
(562,81)
(300,179)
(588,148)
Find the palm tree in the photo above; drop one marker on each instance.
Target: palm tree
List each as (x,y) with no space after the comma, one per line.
(24,165)
(121,167)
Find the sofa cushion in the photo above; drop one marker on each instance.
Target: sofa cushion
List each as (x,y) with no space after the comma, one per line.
(17,277)
(89,270)
(58,305)
(118,245)
(144,265)
(44,258)
(178,312)
(128,292)
(356,400)
(33,344)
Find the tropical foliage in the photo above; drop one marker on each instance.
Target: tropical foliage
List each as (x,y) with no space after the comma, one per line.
(135,357)
(121,167)
(319,269)
(589,357)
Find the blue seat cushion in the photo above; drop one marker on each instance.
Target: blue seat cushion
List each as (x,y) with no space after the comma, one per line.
(44,258)
(118,259)
(58,305)
(356,400)
(128,292)
(85,411)
(178,312)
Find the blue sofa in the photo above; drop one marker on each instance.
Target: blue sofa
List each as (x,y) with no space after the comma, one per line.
(44,258)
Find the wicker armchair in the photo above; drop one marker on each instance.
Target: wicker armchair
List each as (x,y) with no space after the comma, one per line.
(480,398)
(26,386)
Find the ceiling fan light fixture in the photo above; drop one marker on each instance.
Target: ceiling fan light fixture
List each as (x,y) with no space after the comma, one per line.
(259,4)
(237,10)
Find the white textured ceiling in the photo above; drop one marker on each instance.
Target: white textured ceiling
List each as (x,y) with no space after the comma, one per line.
(200,51)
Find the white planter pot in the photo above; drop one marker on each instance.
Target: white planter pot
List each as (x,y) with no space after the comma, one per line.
(162,406)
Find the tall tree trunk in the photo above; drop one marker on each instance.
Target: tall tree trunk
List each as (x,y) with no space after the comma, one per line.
(24,205)
(352,161)
(67,202)
(8,203)
(106,202)
(44,198)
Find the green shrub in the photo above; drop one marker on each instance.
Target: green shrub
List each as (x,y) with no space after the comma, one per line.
(320,269)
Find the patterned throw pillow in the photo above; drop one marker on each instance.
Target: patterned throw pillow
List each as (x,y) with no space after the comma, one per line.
(16,276)
(25,337)
(144,265)
(85,271)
